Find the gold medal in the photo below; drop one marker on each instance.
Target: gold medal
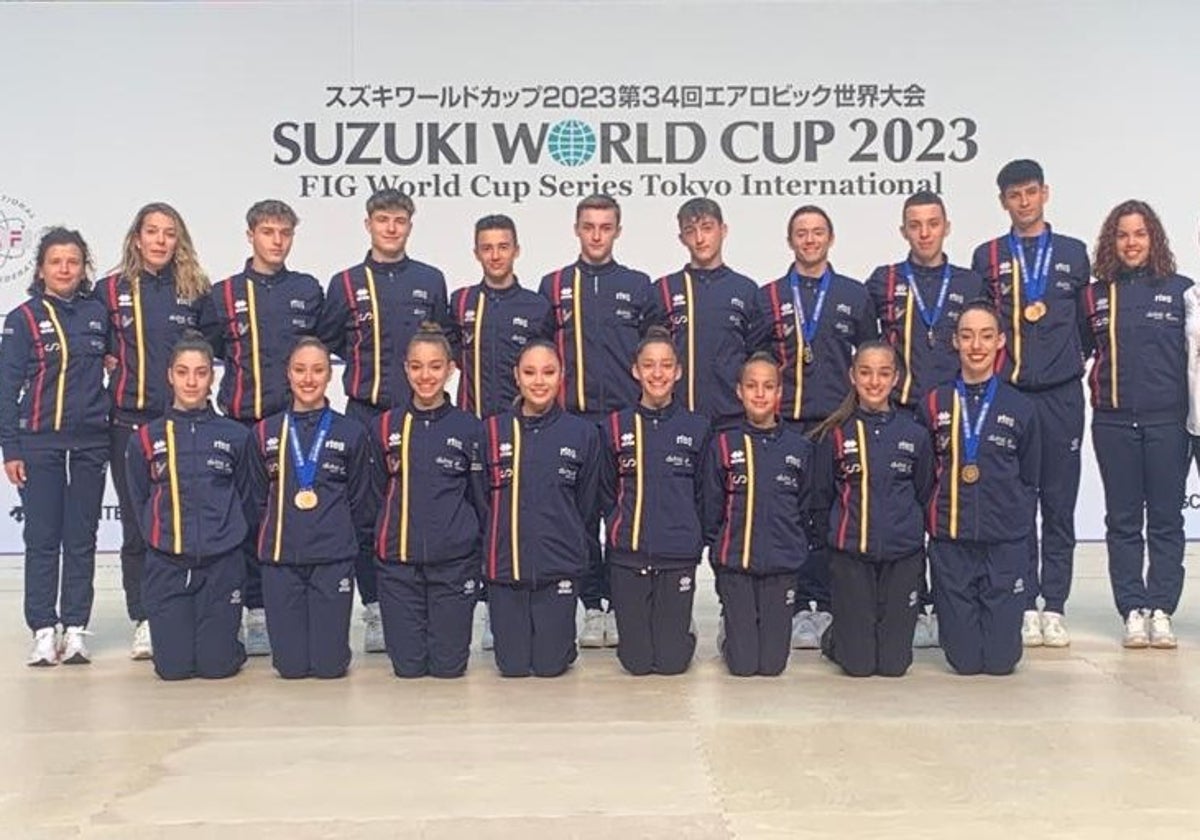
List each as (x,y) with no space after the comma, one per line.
(808,354)
(305,499)
(970,474)
(1035,311)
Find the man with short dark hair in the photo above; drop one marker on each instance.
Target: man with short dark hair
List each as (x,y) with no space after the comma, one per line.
(1036,279)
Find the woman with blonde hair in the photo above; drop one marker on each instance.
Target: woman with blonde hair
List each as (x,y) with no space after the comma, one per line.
(156,294)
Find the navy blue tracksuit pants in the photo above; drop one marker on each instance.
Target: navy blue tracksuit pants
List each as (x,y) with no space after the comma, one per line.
(875,607)
(534,629)
(594,586)
(364,565)
(980,592)
(195,615)
(1060,422)
(758,621)
(63,492)
(812,581)
(1144,470)
(654,617)
(133,546)
(308,617)
(427,611)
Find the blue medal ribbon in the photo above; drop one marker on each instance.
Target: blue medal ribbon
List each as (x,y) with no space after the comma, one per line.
(972,432)
(808,326)
(929,319)
(1033,282)
(306,468)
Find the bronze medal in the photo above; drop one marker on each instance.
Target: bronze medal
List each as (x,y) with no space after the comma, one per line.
(970,474)
(808,354)
(305,499)
(1035,311)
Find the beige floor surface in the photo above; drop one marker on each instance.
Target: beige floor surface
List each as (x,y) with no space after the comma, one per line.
(1090,742)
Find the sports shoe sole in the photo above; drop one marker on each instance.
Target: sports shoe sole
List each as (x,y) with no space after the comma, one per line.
(77,659)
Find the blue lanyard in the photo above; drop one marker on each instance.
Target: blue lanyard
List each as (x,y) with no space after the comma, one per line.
(808,327)
(306,468)
(973,431)
(1033,282)
(926,317)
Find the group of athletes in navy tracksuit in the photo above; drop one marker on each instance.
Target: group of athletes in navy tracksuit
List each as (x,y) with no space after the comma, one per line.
(699,412)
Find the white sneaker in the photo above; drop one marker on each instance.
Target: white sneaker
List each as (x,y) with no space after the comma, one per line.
(373,629)
(821,621)
(1031,629)
(592,635)
(44,651)
(1054,630)
(256,639)
(1161,634)
(487,641)
(1137,634)
(925,634)
(142,647)
(72,650)
(805,635)
(612,636)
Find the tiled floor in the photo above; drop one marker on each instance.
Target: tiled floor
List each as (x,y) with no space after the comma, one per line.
(1091,742)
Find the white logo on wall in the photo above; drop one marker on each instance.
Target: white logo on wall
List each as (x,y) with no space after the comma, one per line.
(18,240)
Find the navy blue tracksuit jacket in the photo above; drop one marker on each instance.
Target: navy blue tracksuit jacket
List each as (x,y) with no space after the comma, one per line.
(253,321)
(371,312)
(1047,353)
(1000,506)
(51,376)
(923,364)
(435,502)
(144,325)
(600,313)
(344,515)
(493,326)
(811,392)
(543,479)
(878,468)
(756,492)
(712,315)
(652,486)
(190,479)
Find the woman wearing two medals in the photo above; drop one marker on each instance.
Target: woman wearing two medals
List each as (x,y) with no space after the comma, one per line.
(980,517)
(1135,313)
(313,486)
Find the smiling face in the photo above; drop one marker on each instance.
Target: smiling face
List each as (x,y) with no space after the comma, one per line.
(62,270)
(657,370)
(308,375)
(810,239)
(389,230)
(978,339)
(157,239)
(873,375)
(428,368)
(759,391)
(1133,240)
(538,375)
(191,379)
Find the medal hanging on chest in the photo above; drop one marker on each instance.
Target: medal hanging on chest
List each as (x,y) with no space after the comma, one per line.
(929,317)
(1033,283)
(806,327)
(972,431)
(306,497)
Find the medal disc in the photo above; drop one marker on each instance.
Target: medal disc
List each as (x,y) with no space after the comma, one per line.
(1035,311)
(808,355)
(305,499)
(970,474)
(932,338)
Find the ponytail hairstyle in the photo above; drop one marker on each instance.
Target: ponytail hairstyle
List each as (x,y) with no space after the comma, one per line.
(308,341)
(655,335)
(983,305)
(760,356)
(430,332)
(191,341)
(849,403)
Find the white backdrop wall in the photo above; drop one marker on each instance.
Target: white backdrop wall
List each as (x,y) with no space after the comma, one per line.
(206,105)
